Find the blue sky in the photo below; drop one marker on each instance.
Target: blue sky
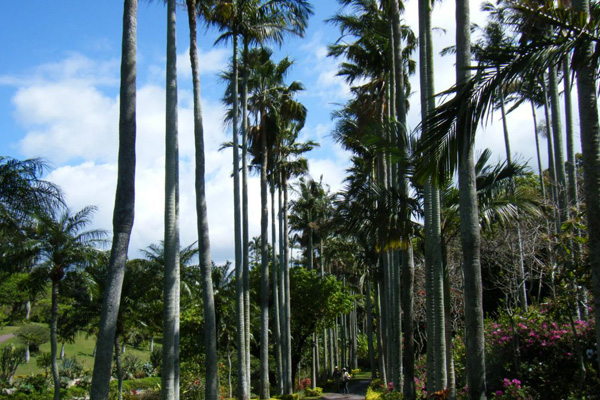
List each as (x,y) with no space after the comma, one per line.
(59,84)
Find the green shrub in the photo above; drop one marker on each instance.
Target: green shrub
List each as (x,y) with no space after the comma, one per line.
(156,358)
(294,396)
(132,366)
(316,392)
(32,383)
(355,371)
(75,392)
(70,368)
(44,361)
(33,336)
(377,385)
(373,394)
(10,359)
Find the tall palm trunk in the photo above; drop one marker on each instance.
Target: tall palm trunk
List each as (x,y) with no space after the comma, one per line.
(369,306)
(469,220)
(276,303)
(521,284)
(245,234)
(282,291)
(210,327)
(264,270)
(559,154)
(590,143)
(286,269)
(170,368)
(53,338)
(123,213)
(243,382)
(537,148)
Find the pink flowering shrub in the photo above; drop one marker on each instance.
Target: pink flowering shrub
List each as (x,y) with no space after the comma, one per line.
(542,351)
(512,390)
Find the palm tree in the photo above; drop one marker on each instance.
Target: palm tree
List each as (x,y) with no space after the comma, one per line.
(61,244)
(272,103)
(288,164)
(170,367)
(124,204)
(210,336)
(256,21)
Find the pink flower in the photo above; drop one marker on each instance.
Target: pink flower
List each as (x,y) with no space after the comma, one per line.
(499,392)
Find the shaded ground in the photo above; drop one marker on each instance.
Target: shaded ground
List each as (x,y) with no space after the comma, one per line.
(5,337)
(357,387)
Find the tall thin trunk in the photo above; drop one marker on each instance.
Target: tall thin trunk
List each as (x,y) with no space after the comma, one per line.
(243,382)
(424,77)
(245,234)
(537,148)
(264,270)
(590,143)
(123,213)
(170,367)
(371,348)
(210,326)
(559,156)
(286,268)
(380,341)
(282,294)
(62,351)
(521,284)
(275,272)
(469,220)
(119,366)
(53,339)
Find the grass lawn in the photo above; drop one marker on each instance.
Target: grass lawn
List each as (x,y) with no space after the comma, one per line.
(82,349)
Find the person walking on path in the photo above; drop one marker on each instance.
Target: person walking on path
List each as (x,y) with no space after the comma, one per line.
(337,377)
(345,379)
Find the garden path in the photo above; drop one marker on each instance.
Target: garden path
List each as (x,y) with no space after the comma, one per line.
(358,390)
(5,337)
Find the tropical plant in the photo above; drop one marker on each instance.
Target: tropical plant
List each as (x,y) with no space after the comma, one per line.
(62,245)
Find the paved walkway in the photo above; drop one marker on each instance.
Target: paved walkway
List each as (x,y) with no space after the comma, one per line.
(358,390)
(5,337)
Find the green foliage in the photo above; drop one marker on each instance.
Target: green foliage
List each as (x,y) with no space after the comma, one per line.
(32,383)
(392,395)
(156,358)
(12,294)
(33,336)
(70,368)
(10,359)
(145,388)
(377,385)
(354,372)
(294,396)
(44,360)
(192,382)
(372,393)
(316,392)
(132,367)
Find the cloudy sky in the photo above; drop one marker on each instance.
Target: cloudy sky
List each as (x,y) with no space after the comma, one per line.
(59,82)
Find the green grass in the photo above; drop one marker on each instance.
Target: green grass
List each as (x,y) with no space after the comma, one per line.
(82,349)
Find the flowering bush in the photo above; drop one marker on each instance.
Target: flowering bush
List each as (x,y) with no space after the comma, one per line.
(512,391)
(542,350)
(304,383)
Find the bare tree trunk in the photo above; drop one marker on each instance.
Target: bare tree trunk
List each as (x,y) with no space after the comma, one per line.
(469,221)
(123,214)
